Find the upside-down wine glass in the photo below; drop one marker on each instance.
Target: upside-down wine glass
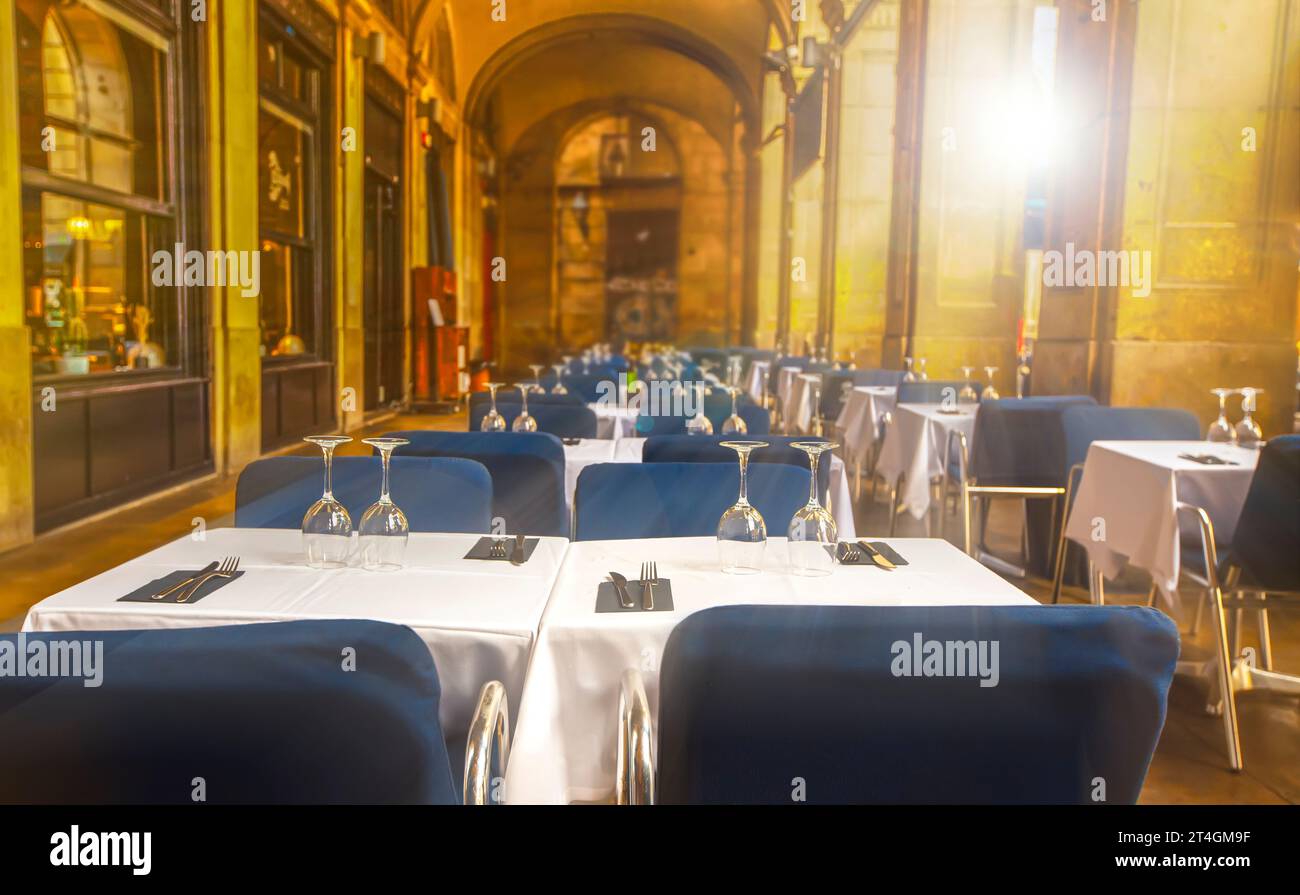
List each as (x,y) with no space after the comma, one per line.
(493,421)
(742,534)
(559,381)
(967,395)
(699,424)
(920,372)
(812,528)
(1249,434)
(383,530)
(989,393)
(327,527)
(537,388)
(734,424)
(1221,430)
(523,422)
(908,375)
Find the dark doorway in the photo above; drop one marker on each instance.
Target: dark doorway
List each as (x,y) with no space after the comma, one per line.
(384,318)
(641,275)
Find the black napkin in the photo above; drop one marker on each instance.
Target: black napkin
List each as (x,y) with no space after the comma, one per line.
(483,545)
(1208,460)
(145,594)
(882,548)
(607,597)
(571,441)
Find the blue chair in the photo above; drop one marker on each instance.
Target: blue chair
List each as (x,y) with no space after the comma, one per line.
(527,470)
(1015,451)
(755,701)
(261,712)
(616,501)
(563,420)
(1259,570)
(435,494)
(838,383)
(709,449)
(1083,424)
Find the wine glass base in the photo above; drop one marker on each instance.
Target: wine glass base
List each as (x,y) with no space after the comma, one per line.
(741,570)
(384,567)
(327,564)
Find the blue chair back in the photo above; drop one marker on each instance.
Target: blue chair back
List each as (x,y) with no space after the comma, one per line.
(753,696)
(709,449)
(563,420)
(588,386)
(435,494)
(931,391)
(511,396)
(1266,544)
(1083,424)
(1021,441)
(616,501)
(261,711)
(527,470)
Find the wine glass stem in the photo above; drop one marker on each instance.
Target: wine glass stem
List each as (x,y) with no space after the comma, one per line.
(744,468)
(494,400)
(329,471)
(813,461)
(383,488)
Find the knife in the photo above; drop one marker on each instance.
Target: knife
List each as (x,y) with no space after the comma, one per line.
(620,587)
(517,554)
(876,556)
(175,587)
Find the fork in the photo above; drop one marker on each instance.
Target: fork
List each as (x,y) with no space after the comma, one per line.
(848,554)
(649,578)
(497,550)
(229,566)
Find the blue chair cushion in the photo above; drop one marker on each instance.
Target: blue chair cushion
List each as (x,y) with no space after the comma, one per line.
(616,501)
(563,420)
(754,699)
(527,470)
(709,449)
(436,494)
(1021,442)
(1083,424)
(1266,546)
(264,713)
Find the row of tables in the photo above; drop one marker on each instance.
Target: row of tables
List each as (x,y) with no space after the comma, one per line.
(533,627)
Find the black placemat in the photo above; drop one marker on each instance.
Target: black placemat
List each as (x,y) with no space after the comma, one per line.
(884,549)
(607,597)
(1208,460)
(145,594)
(483,545)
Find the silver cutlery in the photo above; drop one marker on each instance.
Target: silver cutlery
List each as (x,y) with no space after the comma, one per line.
(848,554)
(190,580)
(517,555)
(876,556)
(229,566)
(620,588)
(649,578)
(497,550)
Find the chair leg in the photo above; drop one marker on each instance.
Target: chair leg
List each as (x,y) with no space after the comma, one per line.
(857,472)
(893,504)
(966,498)
(1152,594)
(1226,694)
(1265,640)
(1058,574)
(1096,585)
(1238,617)
(1201,599)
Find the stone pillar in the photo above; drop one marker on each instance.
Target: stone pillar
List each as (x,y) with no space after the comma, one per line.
(232,222)
(349,228)
(17,507)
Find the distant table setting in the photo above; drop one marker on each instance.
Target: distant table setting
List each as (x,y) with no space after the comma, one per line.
(914,448)
(564,742)
(802,404)
(1124,505)
(756,384)
(478,618)
(614,421)
(859,420)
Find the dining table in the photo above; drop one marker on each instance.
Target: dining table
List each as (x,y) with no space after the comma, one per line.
(859,420)
(1125,505)
(563,749)
(801,406)
(584,453)
(914,448)
(614,420)
(756,382)
(477,617)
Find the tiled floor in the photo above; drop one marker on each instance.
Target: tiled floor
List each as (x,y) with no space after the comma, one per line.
(1190,764)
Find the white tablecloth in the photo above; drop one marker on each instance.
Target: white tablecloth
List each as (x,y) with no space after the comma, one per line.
(579,456)
(800,408)
(859,420)
(914,448)
(478,618)
(614,421)
(758,372)
(563,747)
(1124,504)
(785,382)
